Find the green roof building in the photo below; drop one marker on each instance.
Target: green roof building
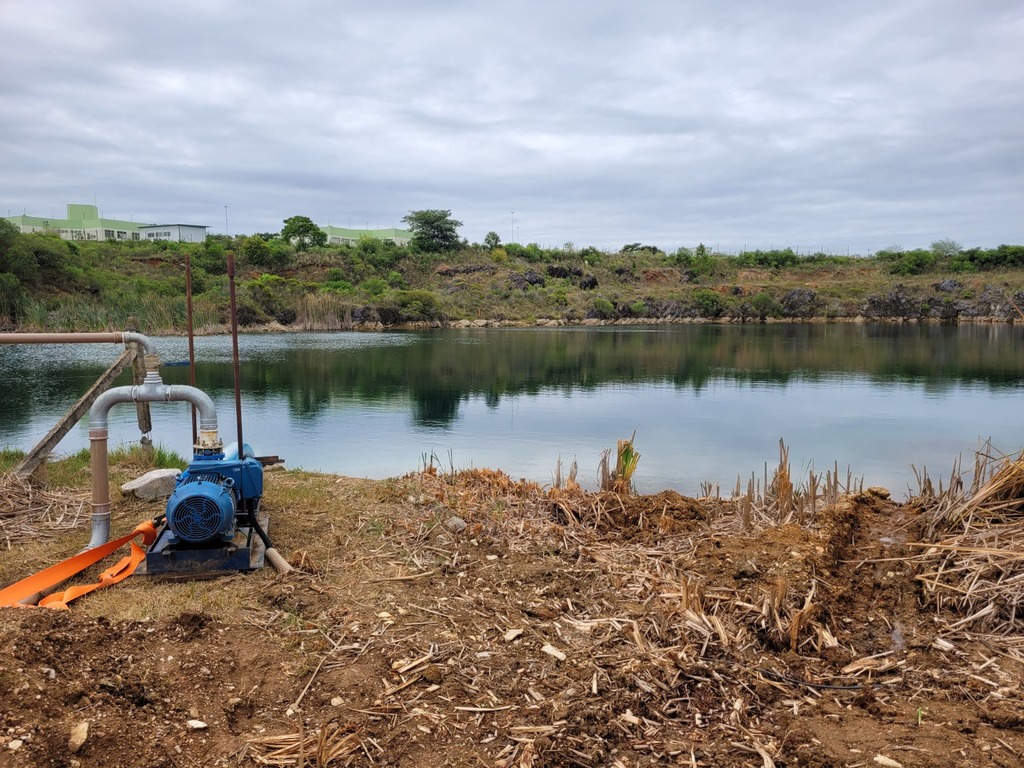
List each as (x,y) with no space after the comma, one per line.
(83,222)
(342,236)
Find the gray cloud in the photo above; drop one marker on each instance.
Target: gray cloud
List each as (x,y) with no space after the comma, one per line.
(840,126)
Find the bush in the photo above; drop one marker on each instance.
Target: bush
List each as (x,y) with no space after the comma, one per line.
(708,303)
(12,298)
(375,286)
(773,259)
(604,308)
(249,313)
(417,305)
(913,262)
(764,305)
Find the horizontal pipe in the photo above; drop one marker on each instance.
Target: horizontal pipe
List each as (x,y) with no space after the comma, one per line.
(116,337)
(153,392)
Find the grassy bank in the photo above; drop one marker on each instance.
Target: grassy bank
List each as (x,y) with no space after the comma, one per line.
(50,284)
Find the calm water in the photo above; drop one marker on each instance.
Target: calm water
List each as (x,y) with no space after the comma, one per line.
(707,402)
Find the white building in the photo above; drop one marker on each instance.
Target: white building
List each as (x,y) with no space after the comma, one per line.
(178,233)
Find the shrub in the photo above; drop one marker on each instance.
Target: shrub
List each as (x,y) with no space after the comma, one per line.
(417,305)
(913,262)
(12,298)
(708,303)
(604,308)
(764,305)
(375,286)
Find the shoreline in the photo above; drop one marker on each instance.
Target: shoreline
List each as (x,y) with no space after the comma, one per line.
(422,325)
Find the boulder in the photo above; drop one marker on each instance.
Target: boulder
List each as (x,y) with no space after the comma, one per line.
(156,484)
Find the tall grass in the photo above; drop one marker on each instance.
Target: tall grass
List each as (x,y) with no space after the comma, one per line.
(324,312)
(148,312)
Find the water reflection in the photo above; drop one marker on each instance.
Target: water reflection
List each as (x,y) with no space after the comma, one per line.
(375,404)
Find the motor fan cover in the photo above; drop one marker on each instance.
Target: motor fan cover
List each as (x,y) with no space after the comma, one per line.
(202,509)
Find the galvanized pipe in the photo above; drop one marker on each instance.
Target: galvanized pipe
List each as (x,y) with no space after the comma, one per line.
(150,391)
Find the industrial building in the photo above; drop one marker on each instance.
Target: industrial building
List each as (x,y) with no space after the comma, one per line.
(83,222)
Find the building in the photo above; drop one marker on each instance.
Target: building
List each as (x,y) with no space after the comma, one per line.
(178,233)
(342,236)
(83,222)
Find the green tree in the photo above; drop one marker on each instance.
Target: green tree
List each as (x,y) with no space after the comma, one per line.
(256,251)
(492,241)
(12,299)
(8,235)
(303,232)
(433,231)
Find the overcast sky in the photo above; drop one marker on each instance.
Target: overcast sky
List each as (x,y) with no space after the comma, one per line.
(839,125)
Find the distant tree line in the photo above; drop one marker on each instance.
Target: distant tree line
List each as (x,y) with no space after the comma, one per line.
(294,276)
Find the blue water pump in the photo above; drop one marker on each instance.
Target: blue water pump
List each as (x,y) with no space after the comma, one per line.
(211,517)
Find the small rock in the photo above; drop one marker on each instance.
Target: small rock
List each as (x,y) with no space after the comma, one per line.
(78,736)
(879,492)
(512,634)
(337,701)
(196,725)
(15,744)
(455,524)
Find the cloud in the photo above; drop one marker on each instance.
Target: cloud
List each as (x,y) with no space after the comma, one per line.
(841,125)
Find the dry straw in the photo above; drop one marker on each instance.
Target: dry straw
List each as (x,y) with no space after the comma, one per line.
(30,513)
(973,558)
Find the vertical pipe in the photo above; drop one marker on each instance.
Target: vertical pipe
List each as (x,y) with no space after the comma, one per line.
(99,466)
(191,338)
(234,351)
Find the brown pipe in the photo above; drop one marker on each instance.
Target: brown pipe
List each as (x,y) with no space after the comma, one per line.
(115,337)
(99,466)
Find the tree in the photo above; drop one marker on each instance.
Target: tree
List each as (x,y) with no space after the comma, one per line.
(259,253)
(301,231)
(492,241)
(8,235)
(433,231)
(946,249)
(12,299)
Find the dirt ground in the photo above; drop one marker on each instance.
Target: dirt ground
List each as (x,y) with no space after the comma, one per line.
(472,620)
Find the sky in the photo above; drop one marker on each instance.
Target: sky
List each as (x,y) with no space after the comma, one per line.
(843,126)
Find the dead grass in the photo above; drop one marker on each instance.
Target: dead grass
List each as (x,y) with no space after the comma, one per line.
(467,618)
(973,556)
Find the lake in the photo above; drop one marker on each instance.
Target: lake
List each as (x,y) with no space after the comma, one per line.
(708,403)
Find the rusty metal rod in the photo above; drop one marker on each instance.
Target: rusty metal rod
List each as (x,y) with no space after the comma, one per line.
(191,338)
(234,351)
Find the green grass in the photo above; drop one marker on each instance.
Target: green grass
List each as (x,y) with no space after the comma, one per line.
(9,458)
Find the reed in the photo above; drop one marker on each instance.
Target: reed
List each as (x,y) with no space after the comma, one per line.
(619,480)
(324,311)
(973,558)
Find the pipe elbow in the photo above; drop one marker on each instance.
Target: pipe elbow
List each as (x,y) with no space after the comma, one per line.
(142,340)
(101,408)
(202,401)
